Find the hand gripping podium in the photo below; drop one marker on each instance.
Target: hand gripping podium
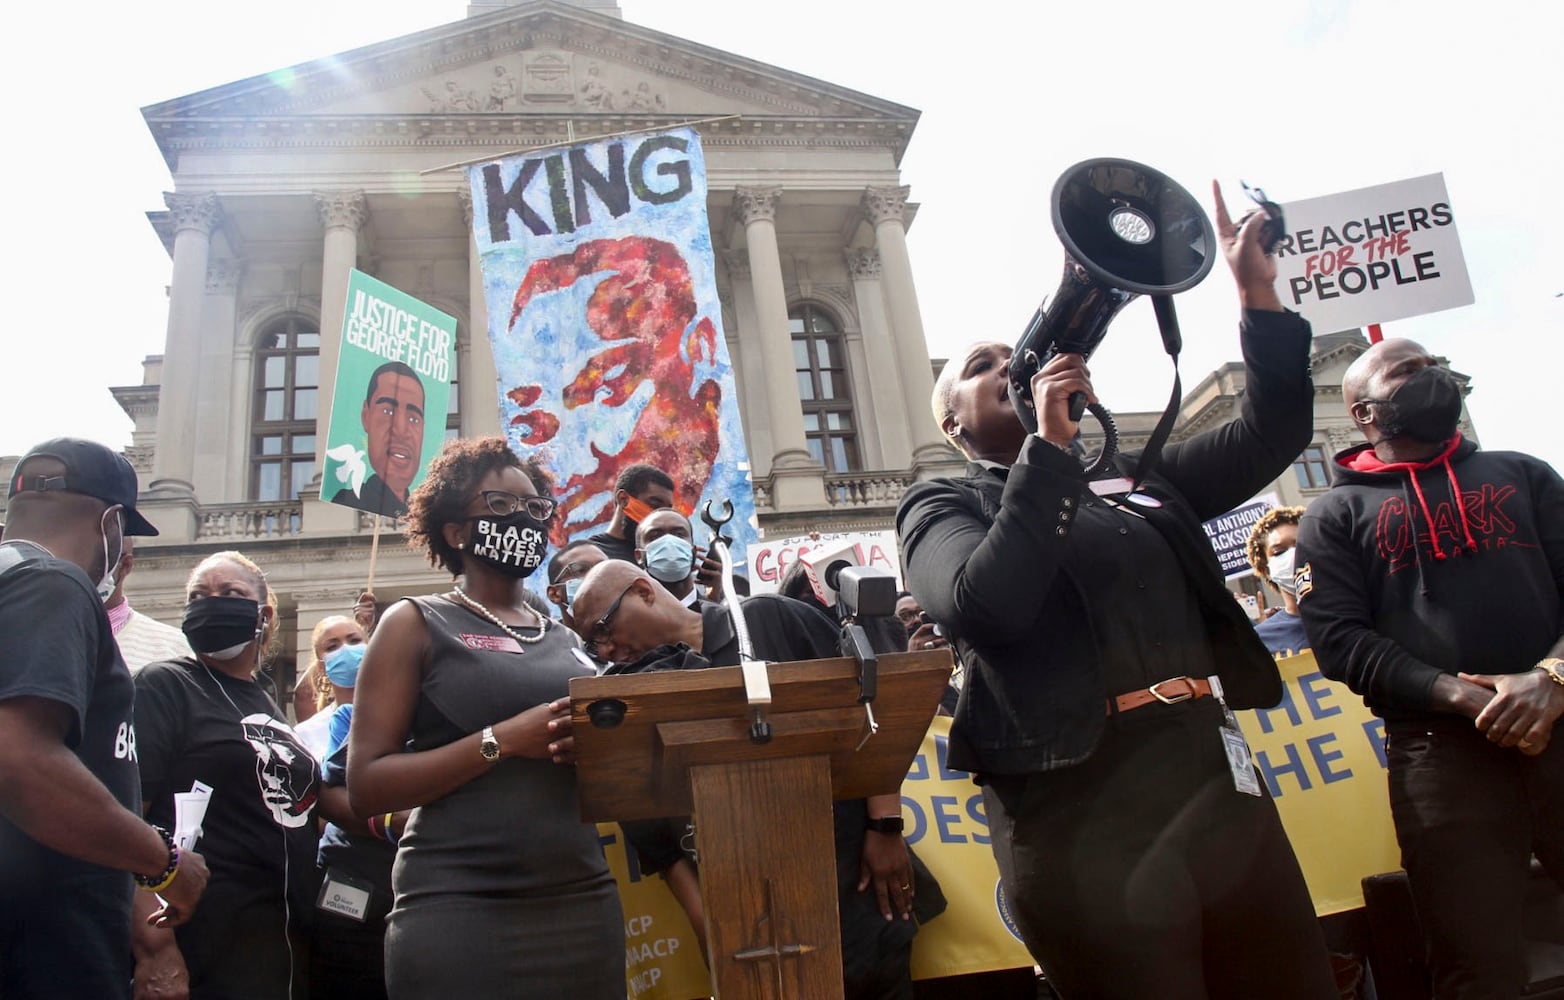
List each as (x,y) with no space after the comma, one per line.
(678,743)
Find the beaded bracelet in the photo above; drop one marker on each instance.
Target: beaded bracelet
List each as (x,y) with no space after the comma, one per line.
(160,881)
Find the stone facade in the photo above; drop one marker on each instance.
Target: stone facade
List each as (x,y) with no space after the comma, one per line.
(283,182)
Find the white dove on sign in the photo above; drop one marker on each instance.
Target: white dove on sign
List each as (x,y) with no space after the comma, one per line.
(351,467)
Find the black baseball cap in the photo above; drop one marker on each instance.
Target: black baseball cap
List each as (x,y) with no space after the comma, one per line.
(91,469)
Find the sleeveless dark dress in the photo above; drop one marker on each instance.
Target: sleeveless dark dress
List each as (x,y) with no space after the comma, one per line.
(501,890)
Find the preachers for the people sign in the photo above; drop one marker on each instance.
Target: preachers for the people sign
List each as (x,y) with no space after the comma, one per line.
(1372,255)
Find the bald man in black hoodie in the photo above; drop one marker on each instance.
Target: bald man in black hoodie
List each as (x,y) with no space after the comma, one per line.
(1431,581)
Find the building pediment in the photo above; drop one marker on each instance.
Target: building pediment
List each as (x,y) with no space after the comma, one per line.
(542,58)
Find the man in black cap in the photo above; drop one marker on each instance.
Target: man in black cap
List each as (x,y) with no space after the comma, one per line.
(71,833)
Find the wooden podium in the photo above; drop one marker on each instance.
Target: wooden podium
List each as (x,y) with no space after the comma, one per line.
(682,746)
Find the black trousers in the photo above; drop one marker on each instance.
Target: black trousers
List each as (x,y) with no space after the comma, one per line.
(1141,872)
(1468,817)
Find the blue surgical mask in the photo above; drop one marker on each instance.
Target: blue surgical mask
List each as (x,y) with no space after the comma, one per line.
(571,586)
(669,559)
(342,665)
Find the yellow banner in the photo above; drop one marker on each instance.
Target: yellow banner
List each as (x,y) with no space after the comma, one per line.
(1322,755)
(1320,752)
(946,826)
(662,958)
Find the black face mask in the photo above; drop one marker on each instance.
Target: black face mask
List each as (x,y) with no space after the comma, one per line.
(1426,407)
(514,544)
(221,627)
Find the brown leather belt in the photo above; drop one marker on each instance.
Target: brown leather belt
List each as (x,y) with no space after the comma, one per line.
(1168,692)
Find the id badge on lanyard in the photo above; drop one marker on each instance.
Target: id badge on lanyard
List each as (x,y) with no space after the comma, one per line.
(344,895)
(1239,760)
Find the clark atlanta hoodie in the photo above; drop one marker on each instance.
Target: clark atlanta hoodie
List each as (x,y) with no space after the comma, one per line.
(1408,570)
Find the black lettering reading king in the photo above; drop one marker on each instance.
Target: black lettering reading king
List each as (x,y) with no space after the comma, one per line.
(572,183)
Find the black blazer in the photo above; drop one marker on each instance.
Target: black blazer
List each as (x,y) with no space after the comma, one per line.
(984,555)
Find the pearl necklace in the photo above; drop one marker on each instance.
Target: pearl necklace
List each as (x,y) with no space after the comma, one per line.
(491,616)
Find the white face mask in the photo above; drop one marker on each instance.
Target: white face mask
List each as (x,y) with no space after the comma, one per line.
(106,585)
(1281,569)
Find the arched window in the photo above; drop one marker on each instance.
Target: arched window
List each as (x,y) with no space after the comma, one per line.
(820,364)
(287,397)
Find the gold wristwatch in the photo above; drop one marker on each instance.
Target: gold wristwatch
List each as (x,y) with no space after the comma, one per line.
(489,746)
(1554,668)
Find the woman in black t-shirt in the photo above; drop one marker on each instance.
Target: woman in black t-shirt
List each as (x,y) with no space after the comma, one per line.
(461,714)
(206,720)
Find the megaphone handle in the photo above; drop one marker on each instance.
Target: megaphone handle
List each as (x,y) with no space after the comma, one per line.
(1077,406)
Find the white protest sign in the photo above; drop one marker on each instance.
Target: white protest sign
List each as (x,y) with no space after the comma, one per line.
(1229,534)
(1372,255)
(769,560)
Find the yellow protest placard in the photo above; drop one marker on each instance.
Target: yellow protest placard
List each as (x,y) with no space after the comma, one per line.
(1322,755)
(1320,752)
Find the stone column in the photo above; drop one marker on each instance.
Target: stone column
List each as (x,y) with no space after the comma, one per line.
(215,389)
(172,506)
(796,478)
(479,380)
(886,210)
(194,216)
(343,214)
(885,397)
(748,364)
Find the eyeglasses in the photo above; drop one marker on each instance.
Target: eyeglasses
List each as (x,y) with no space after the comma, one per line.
(504,503)
(601,628)
(570,569)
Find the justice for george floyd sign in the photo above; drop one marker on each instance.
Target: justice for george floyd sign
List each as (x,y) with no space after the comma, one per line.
(1372,255)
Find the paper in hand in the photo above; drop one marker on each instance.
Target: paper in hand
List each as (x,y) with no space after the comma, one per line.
(189,811)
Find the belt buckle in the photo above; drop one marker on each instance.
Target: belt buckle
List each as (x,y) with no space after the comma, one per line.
(1173,699)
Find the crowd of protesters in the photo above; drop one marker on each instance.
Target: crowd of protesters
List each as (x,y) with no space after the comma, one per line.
(414,831)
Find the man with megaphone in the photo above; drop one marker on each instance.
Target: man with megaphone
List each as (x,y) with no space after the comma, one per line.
(1139,852)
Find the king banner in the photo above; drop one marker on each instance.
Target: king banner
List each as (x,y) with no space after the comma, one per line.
(607,333)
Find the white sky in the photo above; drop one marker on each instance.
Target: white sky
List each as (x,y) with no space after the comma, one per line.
(1304,99)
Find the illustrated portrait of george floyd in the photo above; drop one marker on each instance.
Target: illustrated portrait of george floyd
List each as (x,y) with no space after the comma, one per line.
(381,477)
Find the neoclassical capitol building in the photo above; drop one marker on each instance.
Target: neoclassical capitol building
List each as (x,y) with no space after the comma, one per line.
(283,182)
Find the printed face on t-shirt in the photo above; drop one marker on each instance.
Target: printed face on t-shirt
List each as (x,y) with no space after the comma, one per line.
(283,768)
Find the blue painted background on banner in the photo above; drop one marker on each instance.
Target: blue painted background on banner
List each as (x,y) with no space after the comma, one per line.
(605,324)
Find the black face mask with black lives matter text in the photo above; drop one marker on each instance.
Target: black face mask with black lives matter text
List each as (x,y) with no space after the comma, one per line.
(514,544)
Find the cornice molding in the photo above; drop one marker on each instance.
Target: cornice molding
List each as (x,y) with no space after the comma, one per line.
(512,33)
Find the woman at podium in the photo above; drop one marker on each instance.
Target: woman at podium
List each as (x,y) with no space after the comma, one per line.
(461,714)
